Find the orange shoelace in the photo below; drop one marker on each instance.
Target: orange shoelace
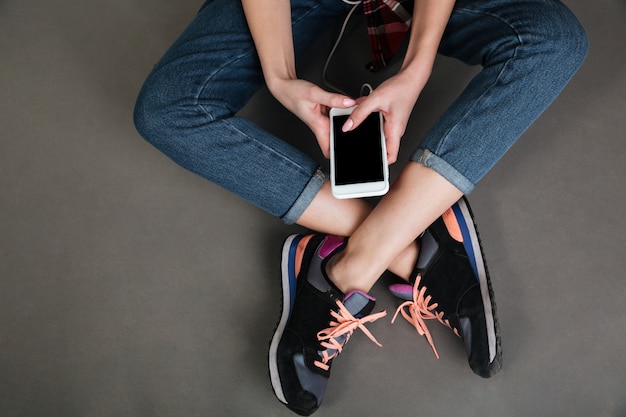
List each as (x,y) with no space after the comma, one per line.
(420,309)
(337,335)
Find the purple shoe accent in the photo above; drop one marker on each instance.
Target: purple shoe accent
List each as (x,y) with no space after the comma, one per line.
(403,291)
(330,244)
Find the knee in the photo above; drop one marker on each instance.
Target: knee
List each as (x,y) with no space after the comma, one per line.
(149,114)
(164,107)
(564,37)
(167,105)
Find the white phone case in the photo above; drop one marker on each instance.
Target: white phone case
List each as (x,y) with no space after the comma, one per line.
(359,189)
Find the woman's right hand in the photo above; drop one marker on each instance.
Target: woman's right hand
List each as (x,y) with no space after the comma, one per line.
(311,104)
(270,25)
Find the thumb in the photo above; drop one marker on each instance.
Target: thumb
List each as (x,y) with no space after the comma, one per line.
(330,100)
(322,135)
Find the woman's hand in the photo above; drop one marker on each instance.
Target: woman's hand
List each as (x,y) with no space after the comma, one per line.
(270,26)
(395,99)
(310,104)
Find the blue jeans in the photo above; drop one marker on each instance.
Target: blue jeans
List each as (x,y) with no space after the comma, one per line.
(528,50)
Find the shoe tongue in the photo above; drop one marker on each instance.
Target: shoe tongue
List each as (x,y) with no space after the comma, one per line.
(428,249)
(358,303)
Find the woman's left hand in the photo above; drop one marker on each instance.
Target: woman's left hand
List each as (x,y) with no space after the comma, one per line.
(395,99)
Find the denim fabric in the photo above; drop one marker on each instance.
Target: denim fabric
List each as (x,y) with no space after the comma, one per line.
(529,50)
(188,104)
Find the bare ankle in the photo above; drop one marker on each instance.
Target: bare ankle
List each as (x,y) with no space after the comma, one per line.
(404,263)
(342,272)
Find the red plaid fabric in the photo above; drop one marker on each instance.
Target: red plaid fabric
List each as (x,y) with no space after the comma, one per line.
(388,23)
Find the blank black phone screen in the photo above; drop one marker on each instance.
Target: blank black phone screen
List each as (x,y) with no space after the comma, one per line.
(358,153)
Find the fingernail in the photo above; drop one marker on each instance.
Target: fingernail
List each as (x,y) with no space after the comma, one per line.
(348,102)
(347,125)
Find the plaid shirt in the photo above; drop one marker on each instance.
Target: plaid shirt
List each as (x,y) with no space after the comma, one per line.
(388,23)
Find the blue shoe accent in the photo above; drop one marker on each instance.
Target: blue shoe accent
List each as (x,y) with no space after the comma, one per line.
(454,274)
(315,323)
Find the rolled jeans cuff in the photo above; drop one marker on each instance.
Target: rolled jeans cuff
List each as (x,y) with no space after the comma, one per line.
(428,159)
(306,197)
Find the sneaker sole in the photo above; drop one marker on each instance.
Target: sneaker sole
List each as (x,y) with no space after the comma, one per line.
(473,247)
(288,283)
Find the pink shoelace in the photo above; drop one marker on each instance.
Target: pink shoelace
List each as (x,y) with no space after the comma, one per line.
(336,336)
(420,309)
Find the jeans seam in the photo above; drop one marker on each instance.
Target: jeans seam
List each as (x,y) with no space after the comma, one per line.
(208,80)
(498,78)
(299,206)
(234,60)
(261,145)
(303,15)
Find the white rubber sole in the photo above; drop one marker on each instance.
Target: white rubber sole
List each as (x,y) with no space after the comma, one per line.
(286,272)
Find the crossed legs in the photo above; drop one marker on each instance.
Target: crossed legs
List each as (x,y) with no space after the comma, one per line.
(388,230)
(529,49)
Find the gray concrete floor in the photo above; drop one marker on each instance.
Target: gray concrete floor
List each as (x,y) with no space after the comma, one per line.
(130,287)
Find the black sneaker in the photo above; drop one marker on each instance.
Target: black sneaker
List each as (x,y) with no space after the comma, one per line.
(452,285)
(316,322)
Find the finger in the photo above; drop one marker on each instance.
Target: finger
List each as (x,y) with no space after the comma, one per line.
(323,139)
(393,148)
(321,130)
(332,99)
(393,135)
(360,113)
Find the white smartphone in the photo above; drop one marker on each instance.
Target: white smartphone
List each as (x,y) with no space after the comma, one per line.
(358,159)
